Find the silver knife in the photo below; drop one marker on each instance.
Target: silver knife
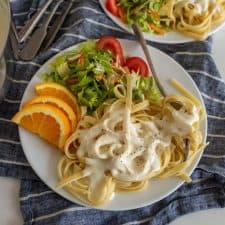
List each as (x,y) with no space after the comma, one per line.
(34,43)
(56,26)
(31,24)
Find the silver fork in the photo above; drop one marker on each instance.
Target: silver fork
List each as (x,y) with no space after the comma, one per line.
(144,46)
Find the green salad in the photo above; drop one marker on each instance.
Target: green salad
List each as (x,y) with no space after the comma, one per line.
(145,13)
(91,74)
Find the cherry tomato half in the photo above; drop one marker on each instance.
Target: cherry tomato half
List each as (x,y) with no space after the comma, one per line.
(112,44)
(111,5)
(137,65)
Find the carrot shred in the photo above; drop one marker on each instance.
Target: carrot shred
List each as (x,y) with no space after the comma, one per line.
(81,60)
(153,13)
(100,76)
(156,29)
(121,14)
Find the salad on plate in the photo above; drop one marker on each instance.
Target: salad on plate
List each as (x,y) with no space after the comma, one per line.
(192,18)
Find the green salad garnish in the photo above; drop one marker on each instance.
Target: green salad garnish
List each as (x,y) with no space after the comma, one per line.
(91,75)
(146,14)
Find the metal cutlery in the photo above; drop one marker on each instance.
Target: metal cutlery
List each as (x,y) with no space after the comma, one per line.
(14,40)
(13,27)
(31,24)
(35,41)
(56,26)
(42,37)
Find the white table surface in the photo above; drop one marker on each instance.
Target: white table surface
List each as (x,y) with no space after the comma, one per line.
(9,187)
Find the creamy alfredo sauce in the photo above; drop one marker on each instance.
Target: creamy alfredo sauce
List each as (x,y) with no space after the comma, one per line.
(129,149)
(199,6)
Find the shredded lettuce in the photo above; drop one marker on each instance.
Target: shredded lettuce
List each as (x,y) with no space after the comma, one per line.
(145,88)
(58,61)
(90,91)
(139,11)
(88,73)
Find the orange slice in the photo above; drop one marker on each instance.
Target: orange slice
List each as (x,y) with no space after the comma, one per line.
(58,91)
(48,121)
(58,103)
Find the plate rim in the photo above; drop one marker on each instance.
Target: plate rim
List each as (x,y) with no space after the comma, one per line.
(139,205)
(185,39)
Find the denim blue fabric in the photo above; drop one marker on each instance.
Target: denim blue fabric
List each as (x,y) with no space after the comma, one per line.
(40,205)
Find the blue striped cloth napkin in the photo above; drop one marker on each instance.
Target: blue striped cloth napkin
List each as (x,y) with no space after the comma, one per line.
(40,205)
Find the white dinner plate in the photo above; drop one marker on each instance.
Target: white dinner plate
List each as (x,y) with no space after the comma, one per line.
(171,37)
(43,157)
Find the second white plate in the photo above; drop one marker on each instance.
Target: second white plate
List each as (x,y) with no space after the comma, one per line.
(171,37)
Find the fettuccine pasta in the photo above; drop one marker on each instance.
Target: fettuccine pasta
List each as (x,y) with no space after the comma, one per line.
(194,18)
(125,143)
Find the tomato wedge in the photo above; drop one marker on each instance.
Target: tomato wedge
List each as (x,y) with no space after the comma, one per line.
(111,5)
(112,44)
(137,65)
